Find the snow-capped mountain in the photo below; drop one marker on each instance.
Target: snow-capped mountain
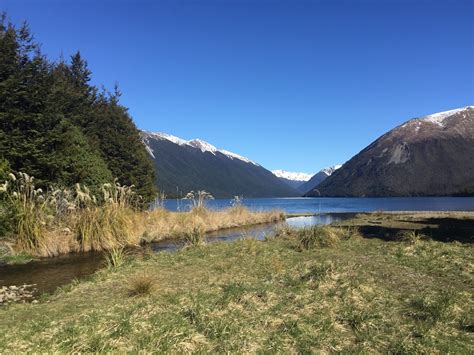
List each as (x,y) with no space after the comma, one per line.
(427,156)
(196,143)
(182,166)
(294,180)
(330,170)
(288,175)
(318,178)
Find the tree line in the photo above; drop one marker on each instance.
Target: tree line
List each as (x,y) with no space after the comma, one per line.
(58,127)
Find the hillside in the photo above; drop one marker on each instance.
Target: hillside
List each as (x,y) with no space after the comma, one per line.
(318,178)
(182,166)
(427,156)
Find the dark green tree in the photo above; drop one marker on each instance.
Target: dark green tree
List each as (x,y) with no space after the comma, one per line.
(55,125)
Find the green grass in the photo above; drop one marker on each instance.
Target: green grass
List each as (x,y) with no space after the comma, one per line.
(354,295)
(20,258)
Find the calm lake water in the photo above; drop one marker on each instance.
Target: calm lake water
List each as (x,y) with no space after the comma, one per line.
(339,204)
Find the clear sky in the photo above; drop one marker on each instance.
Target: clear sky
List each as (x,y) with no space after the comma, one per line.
(295,85)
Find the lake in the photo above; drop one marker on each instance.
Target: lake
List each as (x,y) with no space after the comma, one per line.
(338,204)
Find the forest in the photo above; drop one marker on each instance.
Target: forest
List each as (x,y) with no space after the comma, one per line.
(57,126)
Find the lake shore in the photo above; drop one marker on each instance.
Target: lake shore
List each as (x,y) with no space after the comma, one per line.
(322,288)
(142,227)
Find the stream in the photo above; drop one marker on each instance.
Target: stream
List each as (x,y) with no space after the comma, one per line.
(48,274)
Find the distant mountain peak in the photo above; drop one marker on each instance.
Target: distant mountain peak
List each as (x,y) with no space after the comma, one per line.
(182,166)
(440,119)
(294,176)
(425,156)
(331,169)
(197,143)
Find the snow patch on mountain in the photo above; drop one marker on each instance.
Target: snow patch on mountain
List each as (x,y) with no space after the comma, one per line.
(440,119)
(203,146)
(292,175)
(330,170)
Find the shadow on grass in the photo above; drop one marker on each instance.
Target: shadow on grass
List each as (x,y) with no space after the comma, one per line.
(439,229)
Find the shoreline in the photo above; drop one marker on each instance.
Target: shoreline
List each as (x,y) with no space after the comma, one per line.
(24,258)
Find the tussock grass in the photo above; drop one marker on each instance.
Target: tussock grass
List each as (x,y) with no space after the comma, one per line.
(116,257)
(140,285)
(411,237)
(194,237)
(360,295)
(62,221)
(160,223)
(320,237)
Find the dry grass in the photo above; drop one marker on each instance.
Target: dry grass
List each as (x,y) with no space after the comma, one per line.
(63,221)
(359,296)
(109,227)
(140,285)
(161,224)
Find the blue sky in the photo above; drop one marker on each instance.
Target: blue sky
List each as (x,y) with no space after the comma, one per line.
(295,85)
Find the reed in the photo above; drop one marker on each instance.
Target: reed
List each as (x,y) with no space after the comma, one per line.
(63,220)
(116,257)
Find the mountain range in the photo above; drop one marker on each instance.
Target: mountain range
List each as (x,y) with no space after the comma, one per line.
(182,166)
(304,182)
(427,156)
(317,178)
(293,179)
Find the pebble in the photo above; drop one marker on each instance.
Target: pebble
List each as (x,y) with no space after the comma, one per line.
(17,294)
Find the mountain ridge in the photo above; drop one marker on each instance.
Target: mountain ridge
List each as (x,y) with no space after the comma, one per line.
(430,155)
(182,166)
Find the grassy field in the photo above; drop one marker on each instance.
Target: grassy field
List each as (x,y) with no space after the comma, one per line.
(324,289)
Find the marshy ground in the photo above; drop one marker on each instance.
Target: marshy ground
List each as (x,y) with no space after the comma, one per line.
(322,289)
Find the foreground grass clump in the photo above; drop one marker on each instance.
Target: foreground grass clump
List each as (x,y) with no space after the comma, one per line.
(319,237)
(358,295)
(116,257)
(140,285)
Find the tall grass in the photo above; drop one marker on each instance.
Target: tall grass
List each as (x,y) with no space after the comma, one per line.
(116,257)
(48,223)
(194,237)
(90,222)
(28,208)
